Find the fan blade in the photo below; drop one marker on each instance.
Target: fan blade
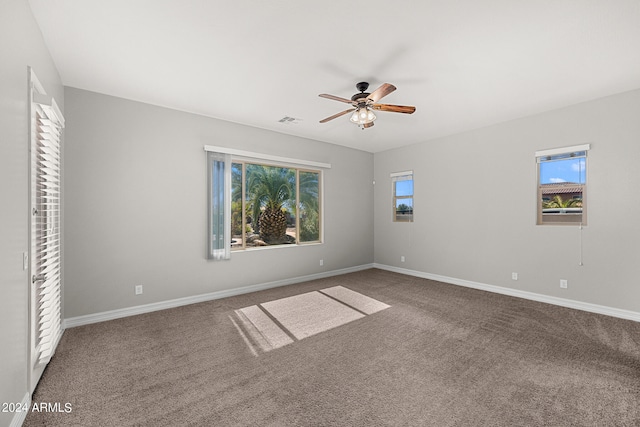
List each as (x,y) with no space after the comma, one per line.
(384,90)
(394,108)
(368,125)
(337,115)
(335,98)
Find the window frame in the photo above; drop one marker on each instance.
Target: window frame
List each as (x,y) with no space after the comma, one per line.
(214,251)
(395,178)
(559,154)
(254,161)
(242,156)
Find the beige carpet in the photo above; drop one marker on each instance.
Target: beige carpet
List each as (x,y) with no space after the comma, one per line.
(439,355)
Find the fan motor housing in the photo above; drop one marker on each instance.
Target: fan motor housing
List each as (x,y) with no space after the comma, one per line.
(362,86)
(359,96)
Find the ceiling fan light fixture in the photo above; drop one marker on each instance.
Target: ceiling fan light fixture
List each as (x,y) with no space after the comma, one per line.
(362,116)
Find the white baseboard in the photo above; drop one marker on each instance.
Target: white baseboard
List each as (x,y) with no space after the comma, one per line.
(563,302)
(19,417)
(147,308)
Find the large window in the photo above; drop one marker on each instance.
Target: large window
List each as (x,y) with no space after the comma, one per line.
(267,204)
(402,196)
(273,205)
(562,186)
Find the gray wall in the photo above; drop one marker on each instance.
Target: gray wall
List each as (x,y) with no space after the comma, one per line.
(135,205)
(21,45)
(475,206)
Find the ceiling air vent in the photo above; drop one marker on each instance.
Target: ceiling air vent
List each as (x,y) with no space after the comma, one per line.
(289,120)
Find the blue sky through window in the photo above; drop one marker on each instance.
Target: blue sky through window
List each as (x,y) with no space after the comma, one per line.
(565,170)
(404,188)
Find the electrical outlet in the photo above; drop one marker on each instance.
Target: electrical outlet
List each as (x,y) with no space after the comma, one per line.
(321,262)
(563,283)
(402,258)
(138,289)
(514,276)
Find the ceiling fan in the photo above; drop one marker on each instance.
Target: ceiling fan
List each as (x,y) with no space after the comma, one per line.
(364,103)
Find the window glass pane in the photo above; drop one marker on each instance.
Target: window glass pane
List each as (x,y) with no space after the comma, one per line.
(562,180)
(217,206)
(404,209)
(270,193)
(219,200)
(309,212)
(404,188)
(403,198)
(561,171)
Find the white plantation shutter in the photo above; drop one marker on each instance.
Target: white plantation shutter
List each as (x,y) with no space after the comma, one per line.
(46,265)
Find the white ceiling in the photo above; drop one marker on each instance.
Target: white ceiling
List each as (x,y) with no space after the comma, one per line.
(464,64)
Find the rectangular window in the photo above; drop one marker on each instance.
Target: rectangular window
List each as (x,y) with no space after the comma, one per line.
(402,196)
(562,186)
(269,204)
(219,165)
(274,205)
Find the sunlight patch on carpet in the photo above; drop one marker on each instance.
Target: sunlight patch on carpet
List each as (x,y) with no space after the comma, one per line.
(356,300)
(274,324)
(311,313)
(262,329)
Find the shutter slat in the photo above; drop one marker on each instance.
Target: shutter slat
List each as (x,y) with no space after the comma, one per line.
(46,163)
